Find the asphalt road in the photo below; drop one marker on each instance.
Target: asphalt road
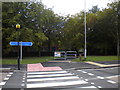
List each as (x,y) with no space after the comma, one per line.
(73,76)
(100,78)
(65,79)
(69,65)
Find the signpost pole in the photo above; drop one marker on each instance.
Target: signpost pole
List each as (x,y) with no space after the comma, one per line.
(21,51)
(20,45)
(17,28)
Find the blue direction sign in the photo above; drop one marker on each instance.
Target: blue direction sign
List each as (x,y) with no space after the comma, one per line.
(23,43)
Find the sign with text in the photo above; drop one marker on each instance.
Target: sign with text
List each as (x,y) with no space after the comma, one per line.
(21,43)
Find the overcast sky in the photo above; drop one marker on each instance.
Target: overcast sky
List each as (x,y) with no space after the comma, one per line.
(64,7)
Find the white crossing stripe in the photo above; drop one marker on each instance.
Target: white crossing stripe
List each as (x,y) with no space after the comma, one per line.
(52,79)
(2,83)
(99,86)
(6,78)
(79,70)
(86,79)
(11,73)
(83,72)
(56,78)
(116,76)
(49,75)
(90,74)
(100,77)
(22,84)
(92,83)
(39,85)
(110,81)
(46,72)
(89,87)
(8,75)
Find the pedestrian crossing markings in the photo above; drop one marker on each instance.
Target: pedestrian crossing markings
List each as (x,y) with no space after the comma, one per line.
(52,79)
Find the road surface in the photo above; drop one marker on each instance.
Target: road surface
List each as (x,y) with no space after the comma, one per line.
(63,79)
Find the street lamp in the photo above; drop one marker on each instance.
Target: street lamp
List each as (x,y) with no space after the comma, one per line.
(85,51)
(17,28)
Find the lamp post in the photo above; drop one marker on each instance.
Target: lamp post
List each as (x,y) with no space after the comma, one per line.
(18,28)
(85,51)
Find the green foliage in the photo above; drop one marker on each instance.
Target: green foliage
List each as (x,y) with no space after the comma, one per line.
(37,24)
(46,29)
(94,9)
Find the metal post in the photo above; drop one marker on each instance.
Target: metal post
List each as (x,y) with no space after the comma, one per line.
(17,28)
(18,53)
(21,51)
(85,28)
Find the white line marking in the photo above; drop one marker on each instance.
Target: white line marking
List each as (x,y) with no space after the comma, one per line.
(89,87)
(79,70)
(11,73)
(99,86)
(83,72)
(90,74)
(100,77)
(39,85)
(2,83)
(6,78)
(8,75)
(56,78)
(86,79)
(112,76)
(22,84)
(110,81)
(46,72)
(92,83)
(51,75)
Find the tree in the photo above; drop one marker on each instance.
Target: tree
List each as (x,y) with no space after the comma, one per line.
(94,9)
(73,33)
(23,13)
(38,25)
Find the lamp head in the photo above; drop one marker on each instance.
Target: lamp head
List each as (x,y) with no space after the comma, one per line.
(17,26)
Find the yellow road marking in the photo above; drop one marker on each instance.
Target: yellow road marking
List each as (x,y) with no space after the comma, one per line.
(102,65)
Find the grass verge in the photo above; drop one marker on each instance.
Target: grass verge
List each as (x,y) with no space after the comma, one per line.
(29,60)
(97,58)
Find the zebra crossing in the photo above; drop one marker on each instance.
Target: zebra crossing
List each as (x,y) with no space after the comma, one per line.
(53,79)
